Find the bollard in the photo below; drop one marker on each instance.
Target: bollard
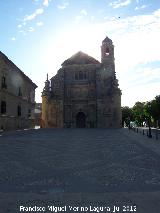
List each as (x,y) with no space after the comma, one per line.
(143,131)
(137,130)
(156,134)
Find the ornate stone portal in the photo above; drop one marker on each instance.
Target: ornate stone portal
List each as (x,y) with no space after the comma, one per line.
(84,93)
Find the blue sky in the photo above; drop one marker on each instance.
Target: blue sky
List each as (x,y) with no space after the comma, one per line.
(38,35)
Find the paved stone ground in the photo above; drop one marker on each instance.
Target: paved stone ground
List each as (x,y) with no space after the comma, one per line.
(79,168)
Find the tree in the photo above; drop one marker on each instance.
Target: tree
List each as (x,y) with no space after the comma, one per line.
(155,110)
(127,115)
(143,111)
(139,113)
(148,108)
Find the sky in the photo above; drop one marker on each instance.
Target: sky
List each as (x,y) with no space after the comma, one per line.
(38,35)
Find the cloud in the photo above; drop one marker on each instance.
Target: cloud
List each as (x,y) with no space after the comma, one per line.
(83,13)
(141,85)
(13,38)
(139,46)
(78,18)
(33,15)
(92,18)
(31,29)
(23,32)
(157,13)
(144,75)
(19,26)
(141,7)
(46,3)
(40,23)
(62,6)
(120,3)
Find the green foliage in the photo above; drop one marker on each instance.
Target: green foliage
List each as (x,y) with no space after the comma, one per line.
(155,110)
(127,115)
(139,113)
(143,111)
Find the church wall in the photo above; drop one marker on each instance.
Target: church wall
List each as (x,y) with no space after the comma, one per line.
(72,110)
(117,116)
(79,94)
(52,113)
(44,116)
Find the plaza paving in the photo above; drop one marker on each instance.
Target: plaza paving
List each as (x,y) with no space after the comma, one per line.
(80,168)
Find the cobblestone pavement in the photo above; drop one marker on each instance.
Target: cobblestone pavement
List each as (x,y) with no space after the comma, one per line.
(80,168)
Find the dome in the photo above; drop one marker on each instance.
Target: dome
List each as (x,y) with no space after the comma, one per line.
(79,59)
(108,40)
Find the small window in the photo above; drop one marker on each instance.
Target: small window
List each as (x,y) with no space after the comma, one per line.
(4,85)
(19,110)
(76,76)
(29,113)
(3,107)
(19,91)
(107,51)
(80,75)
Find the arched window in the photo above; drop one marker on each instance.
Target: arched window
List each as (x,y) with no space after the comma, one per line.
(3,85)
(107,51)
(76,76)
(85,75)
(3,107)
(19,91)
(19,110)
(29,113)
(80,75)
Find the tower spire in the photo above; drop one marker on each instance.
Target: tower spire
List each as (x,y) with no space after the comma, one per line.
(46,89)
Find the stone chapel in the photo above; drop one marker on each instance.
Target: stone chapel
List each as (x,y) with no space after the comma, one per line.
(84,93)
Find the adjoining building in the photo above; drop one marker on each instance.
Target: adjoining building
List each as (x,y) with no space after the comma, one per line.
(38,114)
(84,93)
(17,97)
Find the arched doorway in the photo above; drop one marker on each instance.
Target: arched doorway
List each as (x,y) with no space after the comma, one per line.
(80,120)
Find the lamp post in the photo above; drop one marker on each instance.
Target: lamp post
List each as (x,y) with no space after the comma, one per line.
(129,123)
(149,121)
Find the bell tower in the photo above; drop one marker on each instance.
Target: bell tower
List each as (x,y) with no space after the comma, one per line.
(108,92)
(107,52)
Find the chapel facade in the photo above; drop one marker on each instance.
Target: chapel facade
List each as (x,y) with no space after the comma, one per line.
(84,93)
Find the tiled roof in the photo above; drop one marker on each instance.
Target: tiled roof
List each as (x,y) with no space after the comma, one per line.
(79,59)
